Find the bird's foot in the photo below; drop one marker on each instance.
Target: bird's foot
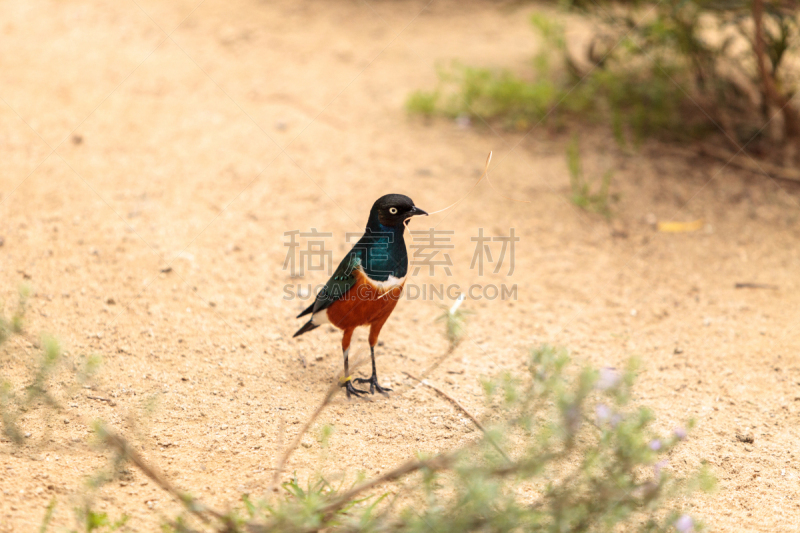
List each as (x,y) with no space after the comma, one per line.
(373,385)
(350,389)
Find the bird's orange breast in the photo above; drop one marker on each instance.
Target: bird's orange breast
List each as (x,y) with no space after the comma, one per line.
(365,303)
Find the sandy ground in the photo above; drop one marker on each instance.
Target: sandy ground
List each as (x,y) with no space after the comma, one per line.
(124,152)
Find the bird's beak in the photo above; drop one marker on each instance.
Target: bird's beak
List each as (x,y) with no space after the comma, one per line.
(415,211)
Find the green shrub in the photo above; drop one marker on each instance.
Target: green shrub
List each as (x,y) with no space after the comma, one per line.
(487,95)
(642,101)
(582,460)
(581,190)
(672,69)
(422,103)
(561,449)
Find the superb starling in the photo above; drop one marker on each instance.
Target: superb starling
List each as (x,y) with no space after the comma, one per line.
(366,285)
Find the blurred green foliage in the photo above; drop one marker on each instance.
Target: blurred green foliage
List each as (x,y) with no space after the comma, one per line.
(455,322)
(14,325)
(581,190)
(37,394)
(564,450)
(423,103)
(583,460)
(675,69)
(13,401)
(98,521)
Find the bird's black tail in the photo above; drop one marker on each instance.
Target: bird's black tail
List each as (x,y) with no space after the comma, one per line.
(309,309)
(308,326)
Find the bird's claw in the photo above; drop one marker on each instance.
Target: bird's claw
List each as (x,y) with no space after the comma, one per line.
(351,390)
(373,385)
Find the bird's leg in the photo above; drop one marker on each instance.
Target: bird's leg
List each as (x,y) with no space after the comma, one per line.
(373,381)
(347,383)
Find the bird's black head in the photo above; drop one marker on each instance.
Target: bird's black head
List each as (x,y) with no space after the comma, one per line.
(393,210)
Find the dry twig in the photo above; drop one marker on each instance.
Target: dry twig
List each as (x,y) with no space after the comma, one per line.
(124,449)
(436,364)
(439,462)
(463,410)
(740,160)
(747,163)
(791,117)
(100,399)
(751,285)
(296,442)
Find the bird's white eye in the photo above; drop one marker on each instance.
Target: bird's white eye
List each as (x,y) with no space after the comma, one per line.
(393,210)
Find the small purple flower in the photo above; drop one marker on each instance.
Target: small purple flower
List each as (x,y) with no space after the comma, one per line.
(655,445)
(680,433)
(463,122)
(609,378)
(606,415)
(603,413)
(684,524)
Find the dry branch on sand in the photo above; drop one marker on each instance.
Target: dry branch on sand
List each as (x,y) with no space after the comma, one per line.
(550,412)
(463,410)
